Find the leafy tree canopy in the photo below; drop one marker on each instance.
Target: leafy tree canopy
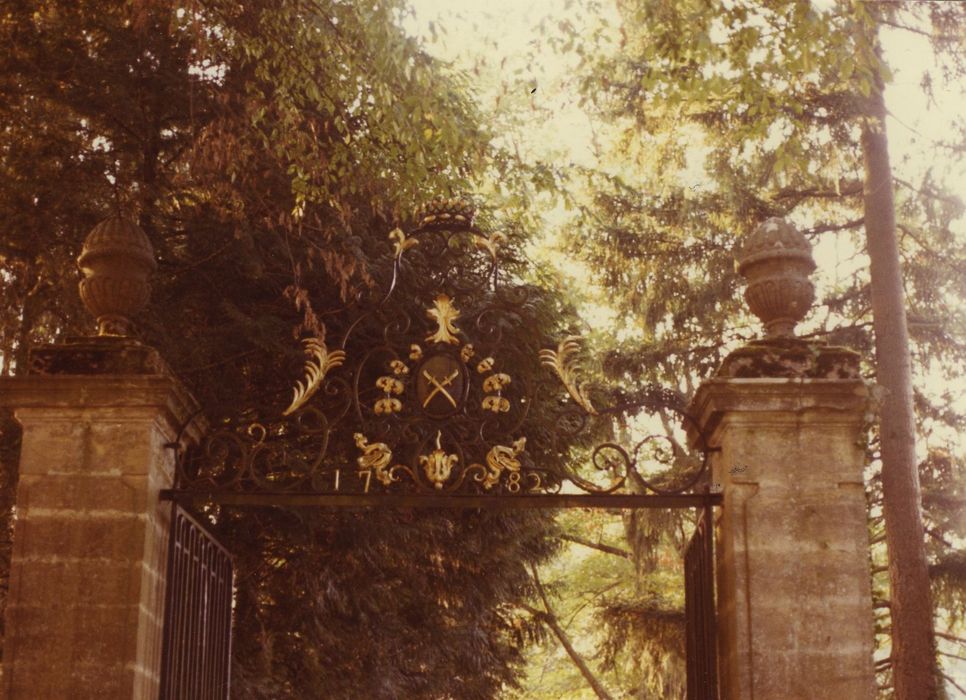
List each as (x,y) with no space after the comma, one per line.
(267,149)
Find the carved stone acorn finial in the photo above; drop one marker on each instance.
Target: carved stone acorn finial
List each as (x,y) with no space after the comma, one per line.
(117,259)
(777,261)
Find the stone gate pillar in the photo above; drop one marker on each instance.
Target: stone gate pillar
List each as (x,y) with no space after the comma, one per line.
(795,616)
(84,611)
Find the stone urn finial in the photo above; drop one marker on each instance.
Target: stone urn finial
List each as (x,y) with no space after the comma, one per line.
(117,259)
(777,261)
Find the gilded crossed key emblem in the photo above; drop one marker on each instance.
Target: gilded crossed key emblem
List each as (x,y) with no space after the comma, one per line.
(439,387)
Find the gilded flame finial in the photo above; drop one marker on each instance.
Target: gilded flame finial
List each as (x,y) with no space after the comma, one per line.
(437,464)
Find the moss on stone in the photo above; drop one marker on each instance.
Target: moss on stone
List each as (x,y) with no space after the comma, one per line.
(791,358)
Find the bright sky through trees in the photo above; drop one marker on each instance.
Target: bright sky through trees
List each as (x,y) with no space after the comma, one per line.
(496,40)
(532,92)
(504,45)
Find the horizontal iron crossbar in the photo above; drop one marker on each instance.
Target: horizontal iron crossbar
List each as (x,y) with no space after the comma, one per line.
(394,500)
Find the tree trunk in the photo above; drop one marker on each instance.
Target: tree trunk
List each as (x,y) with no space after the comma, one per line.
(913,643)
(550,619)
(600,546)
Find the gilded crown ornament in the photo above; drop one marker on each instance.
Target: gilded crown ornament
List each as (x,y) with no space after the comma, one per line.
(777,260)
(117,259)
(442,212)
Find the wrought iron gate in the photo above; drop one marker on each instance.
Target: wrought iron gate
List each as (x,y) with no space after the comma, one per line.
(421,396)
(699,611)
(196,650)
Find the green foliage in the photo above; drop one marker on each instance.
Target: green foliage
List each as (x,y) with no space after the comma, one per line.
(380,603)
(580,582)
(652,630)
(267,148)
(723,114)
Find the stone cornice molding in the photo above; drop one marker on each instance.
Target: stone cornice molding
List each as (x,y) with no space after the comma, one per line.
(47,397)
(771,400)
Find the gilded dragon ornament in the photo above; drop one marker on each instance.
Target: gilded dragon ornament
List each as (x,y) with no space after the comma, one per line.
(375,457)
(501,458)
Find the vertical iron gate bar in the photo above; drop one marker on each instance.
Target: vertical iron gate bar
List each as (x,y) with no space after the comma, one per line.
(710,617)
(196,642)
(699,611)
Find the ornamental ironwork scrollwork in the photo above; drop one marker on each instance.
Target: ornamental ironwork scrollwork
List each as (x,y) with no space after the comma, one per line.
(430,390)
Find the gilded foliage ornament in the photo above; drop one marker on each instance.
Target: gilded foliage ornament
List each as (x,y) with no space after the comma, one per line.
(445,314)
(401,242)
(321,361)
(563,363)
(490,244)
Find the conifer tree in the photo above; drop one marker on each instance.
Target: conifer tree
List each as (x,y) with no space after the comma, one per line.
(786,99)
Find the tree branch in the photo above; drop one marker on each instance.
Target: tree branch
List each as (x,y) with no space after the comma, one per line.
(826,228)
(550,620)
(951,637)
(920,32)
(932,532)
(845,189)
(955,684)
(202,261)
(617,551)
(952,199)
(922,244)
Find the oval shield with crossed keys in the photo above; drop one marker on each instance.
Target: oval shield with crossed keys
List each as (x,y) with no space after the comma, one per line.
(441,384)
